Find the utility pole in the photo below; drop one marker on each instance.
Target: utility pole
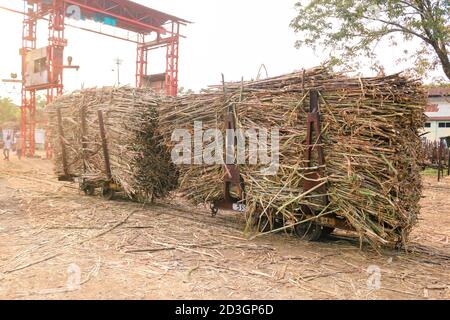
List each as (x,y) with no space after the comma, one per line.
(118,62)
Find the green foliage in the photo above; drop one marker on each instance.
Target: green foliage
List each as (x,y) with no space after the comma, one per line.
(430,172)
(182,91)
(353,28)
(41,102)
(9,112)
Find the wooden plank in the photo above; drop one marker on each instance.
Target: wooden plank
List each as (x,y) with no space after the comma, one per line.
(62,142)
(104,144)
(83,133)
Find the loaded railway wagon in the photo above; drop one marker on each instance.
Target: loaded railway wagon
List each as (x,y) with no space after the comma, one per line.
(107,138)
(349,152)
(87,181)
(311,226)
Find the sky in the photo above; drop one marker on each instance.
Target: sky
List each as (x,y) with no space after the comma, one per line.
(232,37)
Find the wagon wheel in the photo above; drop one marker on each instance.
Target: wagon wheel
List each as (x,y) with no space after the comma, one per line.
(108,193)
(262,224)
(88,190)
(326,231)
(214,209)
(308,231)
(137,197)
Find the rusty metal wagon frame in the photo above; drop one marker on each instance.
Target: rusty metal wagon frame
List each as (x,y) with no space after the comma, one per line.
(310,226)
(107,185)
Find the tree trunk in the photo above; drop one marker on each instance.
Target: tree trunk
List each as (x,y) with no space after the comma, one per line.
(443,57)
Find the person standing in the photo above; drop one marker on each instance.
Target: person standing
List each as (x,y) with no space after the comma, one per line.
(7,147)
(19,146)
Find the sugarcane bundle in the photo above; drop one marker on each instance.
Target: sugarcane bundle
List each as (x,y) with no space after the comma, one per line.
(369,135)
(436,153)
(139,163)
(198,182)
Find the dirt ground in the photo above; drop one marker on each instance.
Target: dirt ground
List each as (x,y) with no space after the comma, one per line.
(56,243)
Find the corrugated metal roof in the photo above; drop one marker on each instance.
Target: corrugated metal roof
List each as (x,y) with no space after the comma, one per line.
(438,108)
(431,118)
(442,114)
(438,91)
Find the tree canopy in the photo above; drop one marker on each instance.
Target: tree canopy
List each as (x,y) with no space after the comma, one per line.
(9,112)
(353,28)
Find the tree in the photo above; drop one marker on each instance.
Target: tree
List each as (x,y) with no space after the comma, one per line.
(9,112)
(353,28)
(41,104)
(182,91)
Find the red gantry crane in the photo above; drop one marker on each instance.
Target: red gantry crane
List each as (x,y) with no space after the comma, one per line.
(42,68)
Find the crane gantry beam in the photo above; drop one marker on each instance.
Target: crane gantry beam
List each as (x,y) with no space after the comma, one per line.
(127,15)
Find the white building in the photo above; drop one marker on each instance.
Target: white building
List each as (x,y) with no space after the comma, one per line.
(438,113)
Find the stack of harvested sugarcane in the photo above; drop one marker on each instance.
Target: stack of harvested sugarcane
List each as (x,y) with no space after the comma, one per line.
(199,183)
(139,163)
(370,140)
(435,152)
